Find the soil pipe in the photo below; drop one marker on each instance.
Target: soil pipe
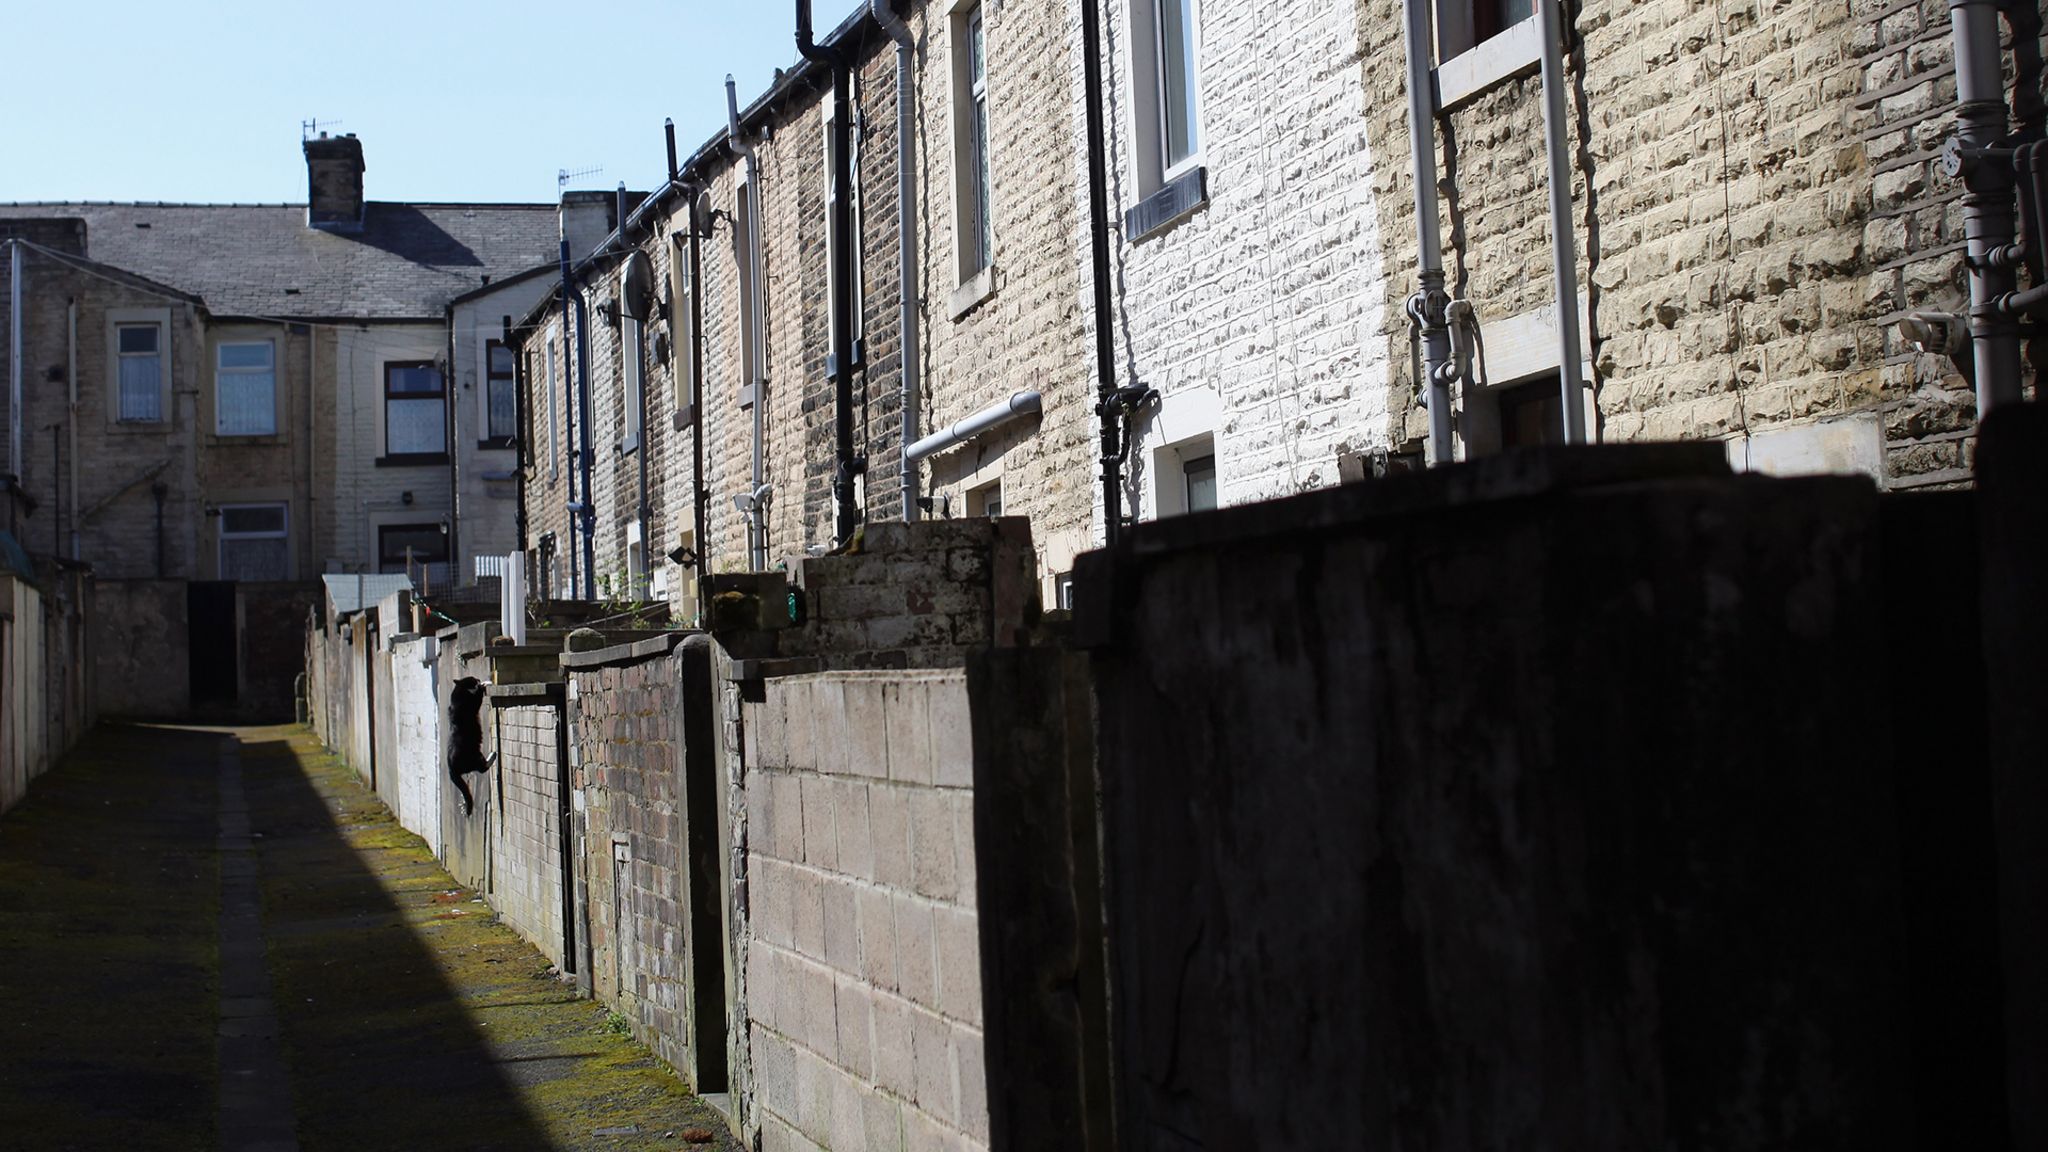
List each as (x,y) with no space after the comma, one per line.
(906,239)
(569,418)
(1107,407)
(1429,308)
(523,456)
(586,511)
(1982,121)
(840,287)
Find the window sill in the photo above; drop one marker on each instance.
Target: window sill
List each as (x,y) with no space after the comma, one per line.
(1180,198)
(1515,52)
(139,427)
(412,460)
(257,440)
(969,295)
(495,444)
(683,417)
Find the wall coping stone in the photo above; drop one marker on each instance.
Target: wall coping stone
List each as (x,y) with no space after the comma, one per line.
(525,695)
(634,652)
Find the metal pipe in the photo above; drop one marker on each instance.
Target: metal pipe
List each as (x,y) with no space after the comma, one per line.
(520,383)
(1564,254)
(906,228)
(840,226)
(702,499)
(569,418)
(1429,307)
(1000,412)
(14,368)
(159,491)
(312,458)
(1107,408)
(71,378)
(57,489)
(753,504)
(589,506)
(1988,212)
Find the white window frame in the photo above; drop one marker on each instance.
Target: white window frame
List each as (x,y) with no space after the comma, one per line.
(632,376)
(973,166)
(979,497)
(485,375)
(386,398)
(1464,68)
(221,372)
(1148,77)
(223,537)
(160,319)
(1170,477)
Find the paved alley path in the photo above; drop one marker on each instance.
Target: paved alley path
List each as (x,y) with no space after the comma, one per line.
(217,940)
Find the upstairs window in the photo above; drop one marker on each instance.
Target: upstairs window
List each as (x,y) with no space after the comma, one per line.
(1166,82)
(245,389)
(415,410)
(973,221)
(254,542)
(140,350)
(1480,43)
(1173,40)
(501,400)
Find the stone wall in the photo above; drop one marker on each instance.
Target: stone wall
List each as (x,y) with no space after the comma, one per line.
(144,663)
(270,620)
(862,962)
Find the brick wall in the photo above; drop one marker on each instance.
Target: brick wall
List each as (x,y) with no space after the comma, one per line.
(526,844)
(863,981)
(628,767)
(366,496)
(416,711)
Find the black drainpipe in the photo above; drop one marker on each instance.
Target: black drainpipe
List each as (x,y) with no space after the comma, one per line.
(587,510)
(571,424)
(159,490)
(520,452)
(696,355)
(1107,405)
(846,466)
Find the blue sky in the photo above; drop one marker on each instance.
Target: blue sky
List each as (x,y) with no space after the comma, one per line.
(454,99)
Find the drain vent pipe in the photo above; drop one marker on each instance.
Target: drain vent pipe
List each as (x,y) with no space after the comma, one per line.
(1564,248)
(1001,412)
(906,228)
(1988,212)
(1108,408)
(840,228)
(1429,308)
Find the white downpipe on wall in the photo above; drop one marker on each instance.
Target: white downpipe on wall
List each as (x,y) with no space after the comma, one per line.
(754,504)
(906,227)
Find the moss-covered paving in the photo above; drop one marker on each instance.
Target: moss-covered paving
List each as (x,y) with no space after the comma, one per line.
(413,1019)
(109,932)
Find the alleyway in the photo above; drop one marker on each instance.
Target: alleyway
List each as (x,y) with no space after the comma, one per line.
(220,940)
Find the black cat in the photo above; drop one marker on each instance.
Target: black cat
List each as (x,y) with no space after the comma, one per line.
(466,736)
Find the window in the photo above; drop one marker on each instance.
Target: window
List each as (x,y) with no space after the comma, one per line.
(415,410)
(554,427)
(632,333)
(1531,413)
(501,397)
(1479,43)
(986,500)
(972,219)
(245,389)
(401,548)
(1180,136)
(833,240)
(139,348)
(742,253)
(683,322)
(1199,476)
(254,542)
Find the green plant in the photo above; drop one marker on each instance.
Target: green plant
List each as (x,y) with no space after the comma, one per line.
(616,1025)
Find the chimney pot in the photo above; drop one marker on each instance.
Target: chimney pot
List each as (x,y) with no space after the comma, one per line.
(334,183)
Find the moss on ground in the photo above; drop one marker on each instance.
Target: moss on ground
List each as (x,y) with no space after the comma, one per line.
(412,1018)
(109,947)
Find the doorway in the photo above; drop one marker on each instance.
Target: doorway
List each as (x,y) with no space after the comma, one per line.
(213,636)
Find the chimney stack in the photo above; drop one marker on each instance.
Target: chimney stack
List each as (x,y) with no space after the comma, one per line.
(334,183)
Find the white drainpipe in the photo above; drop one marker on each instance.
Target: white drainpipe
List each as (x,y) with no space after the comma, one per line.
(1000,412)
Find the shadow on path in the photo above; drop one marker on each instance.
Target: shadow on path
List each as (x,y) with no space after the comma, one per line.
(410,1017)
(109,897)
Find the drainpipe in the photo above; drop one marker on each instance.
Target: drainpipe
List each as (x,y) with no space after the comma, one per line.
(587,511)
(906,227)
(754,503)
(1429,308)
(312,457)
(14,368)
(1563,244)
(454,443)
(1107,406)
(569,418)
(701,500)
(840,224)
(524,456)
(159,490)
(1988,214)
(71,378)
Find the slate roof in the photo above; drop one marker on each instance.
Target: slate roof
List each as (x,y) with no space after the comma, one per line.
(407,262)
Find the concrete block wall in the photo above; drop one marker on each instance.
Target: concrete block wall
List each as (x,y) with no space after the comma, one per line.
(526,841)
(628,767)
(43,671)
(863,978)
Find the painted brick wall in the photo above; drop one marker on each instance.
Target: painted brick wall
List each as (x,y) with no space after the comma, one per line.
(1258,318)
(862,962)
(526,854)
(365,496)
(416,711)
